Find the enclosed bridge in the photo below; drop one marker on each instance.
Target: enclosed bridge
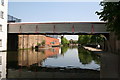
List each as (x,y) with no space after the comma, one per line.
(58,28)
(27,35)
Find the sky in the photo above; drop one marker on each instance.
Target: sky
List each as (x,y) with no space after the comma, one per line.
(58,0)
(55,11)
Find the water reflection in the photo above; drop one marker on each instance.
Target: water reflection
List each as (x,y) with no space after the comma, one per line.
(72,57)
(2,65)
(64,50)
(30,57)
(86,57)
(59,57)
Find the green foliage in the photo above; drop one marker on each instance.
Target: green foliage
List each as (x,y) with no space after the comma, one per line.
(38,44)
(43,42)
(64,49)
(96,39)
(90,39)
(64,41)
(87,57)
(73,41)
(111,14)
(84,39)
(84,56)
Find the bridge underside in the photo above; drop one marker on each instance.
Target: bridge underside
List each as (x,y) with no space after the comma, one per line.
(106,34)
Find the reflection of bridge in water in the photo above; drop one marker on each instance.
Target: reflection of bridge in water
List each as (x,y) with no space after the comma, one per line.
(29,57)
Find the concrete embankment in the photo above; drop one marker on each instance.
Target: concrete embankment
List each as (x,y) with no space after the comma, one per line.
(53,73)
(92,49)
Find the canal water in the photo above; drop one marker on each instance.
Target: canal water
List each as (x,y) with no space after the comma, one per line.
(55,57)
(59,62)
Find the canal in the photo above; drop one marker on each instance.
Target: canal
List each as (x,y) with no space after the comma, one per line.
(59,62)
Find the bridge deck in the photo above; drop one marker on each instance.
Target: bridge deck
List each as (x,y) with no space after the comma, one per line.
(58,28)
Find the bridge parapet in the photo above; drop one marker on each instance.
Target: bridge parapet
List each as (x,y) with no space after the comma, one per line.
(68,27)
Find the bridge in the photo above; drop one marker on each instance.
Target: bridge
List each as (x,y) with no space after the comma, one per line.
(58,28)
(26,35)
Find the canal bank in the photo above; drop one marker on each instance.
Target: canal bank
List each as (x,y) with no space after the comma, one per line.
(110,63)
(54,73)
(92,49)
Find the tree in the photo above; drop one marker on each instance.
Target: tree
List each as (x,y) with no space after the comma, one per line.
(64,41)
(90,39)
(84,39)
(96,39)
(43,42)
(71,41)
(111,14)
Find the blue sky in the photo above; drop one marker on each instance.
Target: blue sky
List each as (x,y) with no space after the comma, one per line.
(55,11)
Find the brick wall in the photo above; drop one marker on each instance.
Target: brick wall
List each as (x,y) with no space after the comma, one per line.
(27,41)
(51,41)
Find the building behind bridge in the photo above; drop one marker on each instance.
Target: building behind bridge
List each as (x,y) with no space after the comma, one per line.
(13,19)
